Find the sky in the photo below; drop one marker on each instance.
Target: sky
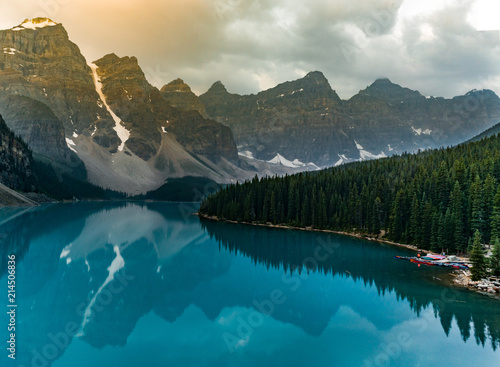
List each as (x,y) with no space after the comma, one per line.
(439,47)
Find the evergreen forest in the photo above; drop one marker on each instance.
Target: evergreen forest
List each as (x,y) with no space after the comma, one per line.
(435,199)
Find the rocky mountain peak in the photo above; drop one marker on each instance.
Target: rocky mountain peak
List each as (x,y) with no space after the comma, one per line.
(383,81)
(217,87)
(35,23)
(314,82)
(38,59)
(176,85)
(124,70)
(129,62)
(313,91)
(179,94)
(482,93)
(316,76)
(384,89)
(108,59)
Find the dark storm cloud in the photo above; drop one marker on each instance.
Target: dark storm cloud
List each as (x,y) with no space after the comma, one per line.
(253,44)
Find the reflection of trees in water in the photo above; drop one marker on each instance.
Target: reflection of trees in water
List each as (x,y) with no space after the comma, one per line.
(370,263)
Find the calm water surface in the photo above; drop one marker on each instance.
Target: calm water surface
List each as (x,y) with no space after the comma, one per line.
(123,284)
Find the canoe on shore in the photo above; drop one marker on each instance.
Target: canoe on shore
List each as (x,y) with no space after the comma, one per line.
(445,263)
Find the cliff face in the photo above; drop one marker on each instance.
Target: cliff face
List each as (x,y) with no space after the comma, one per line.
(38,60)
(179,94)
(299,120)
(147,115)
(306,120)
(37,125)
(15,161)
(408,121)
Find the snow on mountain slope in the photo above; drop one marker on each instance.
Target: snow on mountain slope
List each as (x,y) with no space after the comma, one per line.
(419,131)
(343,159)
(365,155)
(34,23)
(279,159)
(121,131)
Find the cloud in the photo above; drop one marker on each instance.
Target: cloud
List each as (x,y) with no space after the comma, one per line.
(250,45)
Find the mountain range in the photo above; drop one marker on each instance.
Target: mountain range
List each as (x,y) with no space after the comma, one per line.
(306,120)
(102,121)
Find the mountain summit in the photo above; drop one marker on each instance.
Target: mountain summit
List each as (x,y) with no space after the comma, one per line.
(35,23)
(385,89)
(179,94)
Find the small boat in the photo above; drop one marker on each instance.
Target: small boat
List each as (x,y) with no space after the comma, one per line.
(438,261)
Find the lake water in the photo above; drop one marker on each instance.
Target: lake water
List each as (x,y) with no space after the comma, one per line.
(121,284)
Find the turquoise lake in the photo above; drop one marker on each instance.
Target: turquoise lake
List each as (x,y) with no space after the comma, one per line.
(150,284)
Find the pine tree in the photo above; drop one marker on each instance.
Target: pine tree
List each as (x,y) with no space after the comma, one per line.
(495,216)
(495,258)
(442,187)
(377,216)
(476,203)
(304,216)
(448,232)
(397,217)
(489,191)
(291,203)
(435,232)
(477,258)
(273,217)
(441,233)
(415,221)
(457,213)
(427,217)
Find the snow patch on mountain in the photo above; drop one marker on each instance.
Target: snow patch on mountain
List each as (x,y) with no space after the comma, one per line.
(343,159)
(34,24)
(70,143)
(279,159)
(121,131)
(246,153)
(298,163)
(9,50)
(420,131)
(366,155)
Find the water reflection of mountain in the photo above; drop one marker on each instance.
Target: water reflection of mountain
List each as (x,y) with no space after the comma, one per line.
(70,257)
(369,263)
(66,255)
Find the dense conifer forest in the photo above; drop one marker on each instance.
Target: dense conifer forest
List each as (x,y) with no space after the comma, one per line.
(434,199)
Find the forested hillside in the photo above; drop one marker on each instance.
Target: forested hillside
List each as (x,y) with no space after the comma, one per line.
(435,199)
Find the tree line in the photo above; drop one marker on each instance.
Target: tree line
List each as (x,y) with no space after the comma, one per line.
(436,199)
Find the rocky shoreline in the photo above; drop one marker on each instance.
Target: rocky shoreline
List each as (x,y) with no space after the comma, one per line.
(489,286)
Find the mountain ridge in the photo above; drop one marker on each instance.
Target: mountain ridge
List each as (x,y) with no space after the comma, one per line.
(294,118)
